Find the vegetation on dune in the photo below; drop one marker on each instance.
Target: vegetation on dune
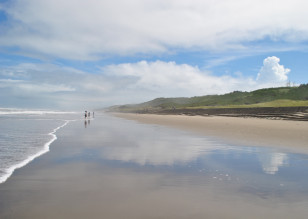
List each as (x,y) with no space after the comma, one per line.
(275,103)
(269,97)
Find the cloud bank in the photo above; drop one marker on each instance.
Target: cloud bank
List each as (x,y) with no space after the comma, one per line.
(62,87)
(161,78)
(93,31)
(88,30)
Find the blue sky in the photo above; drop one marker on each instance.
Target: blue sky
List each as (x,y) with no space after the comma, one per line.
(89,54)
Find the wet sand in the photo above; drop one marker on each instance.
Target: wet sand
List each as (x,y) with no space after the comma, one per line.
(234,130)
(91,172)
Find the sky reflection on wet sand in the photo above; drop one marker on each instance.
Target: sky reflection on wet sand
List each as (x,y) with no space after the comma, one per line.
(197,159)
(116,168)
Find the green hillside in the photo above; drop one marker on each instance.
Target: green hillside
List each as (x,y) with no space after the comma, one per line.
(269,97)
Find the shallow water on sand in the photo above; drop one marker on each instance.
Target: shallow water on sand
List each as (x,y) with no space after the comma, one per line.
(129,143)
(116,168)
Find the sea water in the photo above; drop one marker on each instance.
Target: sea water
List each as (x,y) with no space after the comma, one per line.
(27,134)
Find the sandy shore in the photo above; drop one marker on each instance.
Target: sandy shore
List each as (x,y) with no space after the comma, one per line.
(243,131)
(98,169)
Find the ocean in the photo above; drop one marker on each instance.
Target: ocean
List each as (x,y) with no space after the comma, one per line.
(27,134)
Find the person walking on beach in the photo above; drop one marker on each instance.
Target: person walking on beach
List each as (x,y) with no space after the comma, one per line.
(85,114)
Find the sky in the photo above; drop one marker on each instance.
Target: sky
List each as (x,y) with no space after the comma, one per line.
(77,54)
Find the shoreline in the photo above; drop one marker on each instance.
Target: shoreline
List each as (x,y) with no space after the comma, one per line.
(290,135)
(46,148)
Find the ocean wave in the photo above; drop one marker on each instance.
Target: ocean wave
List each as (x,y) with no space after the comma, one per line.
(9,171)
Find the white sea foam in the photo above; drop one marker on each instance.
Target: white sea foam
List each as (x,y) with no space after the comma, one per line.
(9,171)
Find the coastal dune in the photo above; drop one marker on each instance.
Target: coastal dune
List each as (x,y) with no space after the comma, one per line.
(241,131)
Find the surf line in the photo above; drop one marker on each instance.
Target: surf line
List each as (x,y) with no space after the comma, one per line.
(11,169)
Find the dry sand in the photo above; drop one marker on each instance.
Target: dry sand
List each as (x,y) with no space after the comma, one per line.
(242,131)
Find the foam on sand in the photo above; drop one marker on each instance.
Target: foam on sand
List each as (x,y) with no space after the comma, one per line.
(9,171)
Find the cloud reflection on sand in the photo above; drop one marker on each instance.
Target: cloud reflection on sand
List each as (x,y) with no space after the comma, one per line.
(272,161)
(163,151)
(186,149)
(157,146)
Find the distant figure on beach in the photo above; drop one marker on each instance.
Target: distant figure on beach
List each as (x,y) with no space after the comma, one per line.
(93,114)
(89,114)
(85,114)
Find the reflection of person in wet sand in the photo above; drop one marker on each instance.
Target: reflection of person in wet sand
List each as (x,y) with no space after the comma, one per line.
(87,116)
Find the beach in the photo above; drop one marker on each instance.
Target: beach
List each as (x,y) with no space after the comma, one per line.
(111,167)
(235,130)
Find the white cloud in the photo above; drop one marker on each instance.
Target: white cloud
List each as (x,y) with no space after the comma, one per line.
(33,87)
(47,85)
(171,79)
(49,88)
(122,83)
(78,29)
(272,72)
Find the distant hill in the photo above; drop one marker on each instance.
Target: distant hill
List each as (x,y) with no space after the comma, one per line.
(269,97)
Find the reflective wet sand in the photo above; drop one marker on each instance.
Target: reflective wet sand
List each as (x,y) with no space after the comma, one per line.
(235,130)
(116,168)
